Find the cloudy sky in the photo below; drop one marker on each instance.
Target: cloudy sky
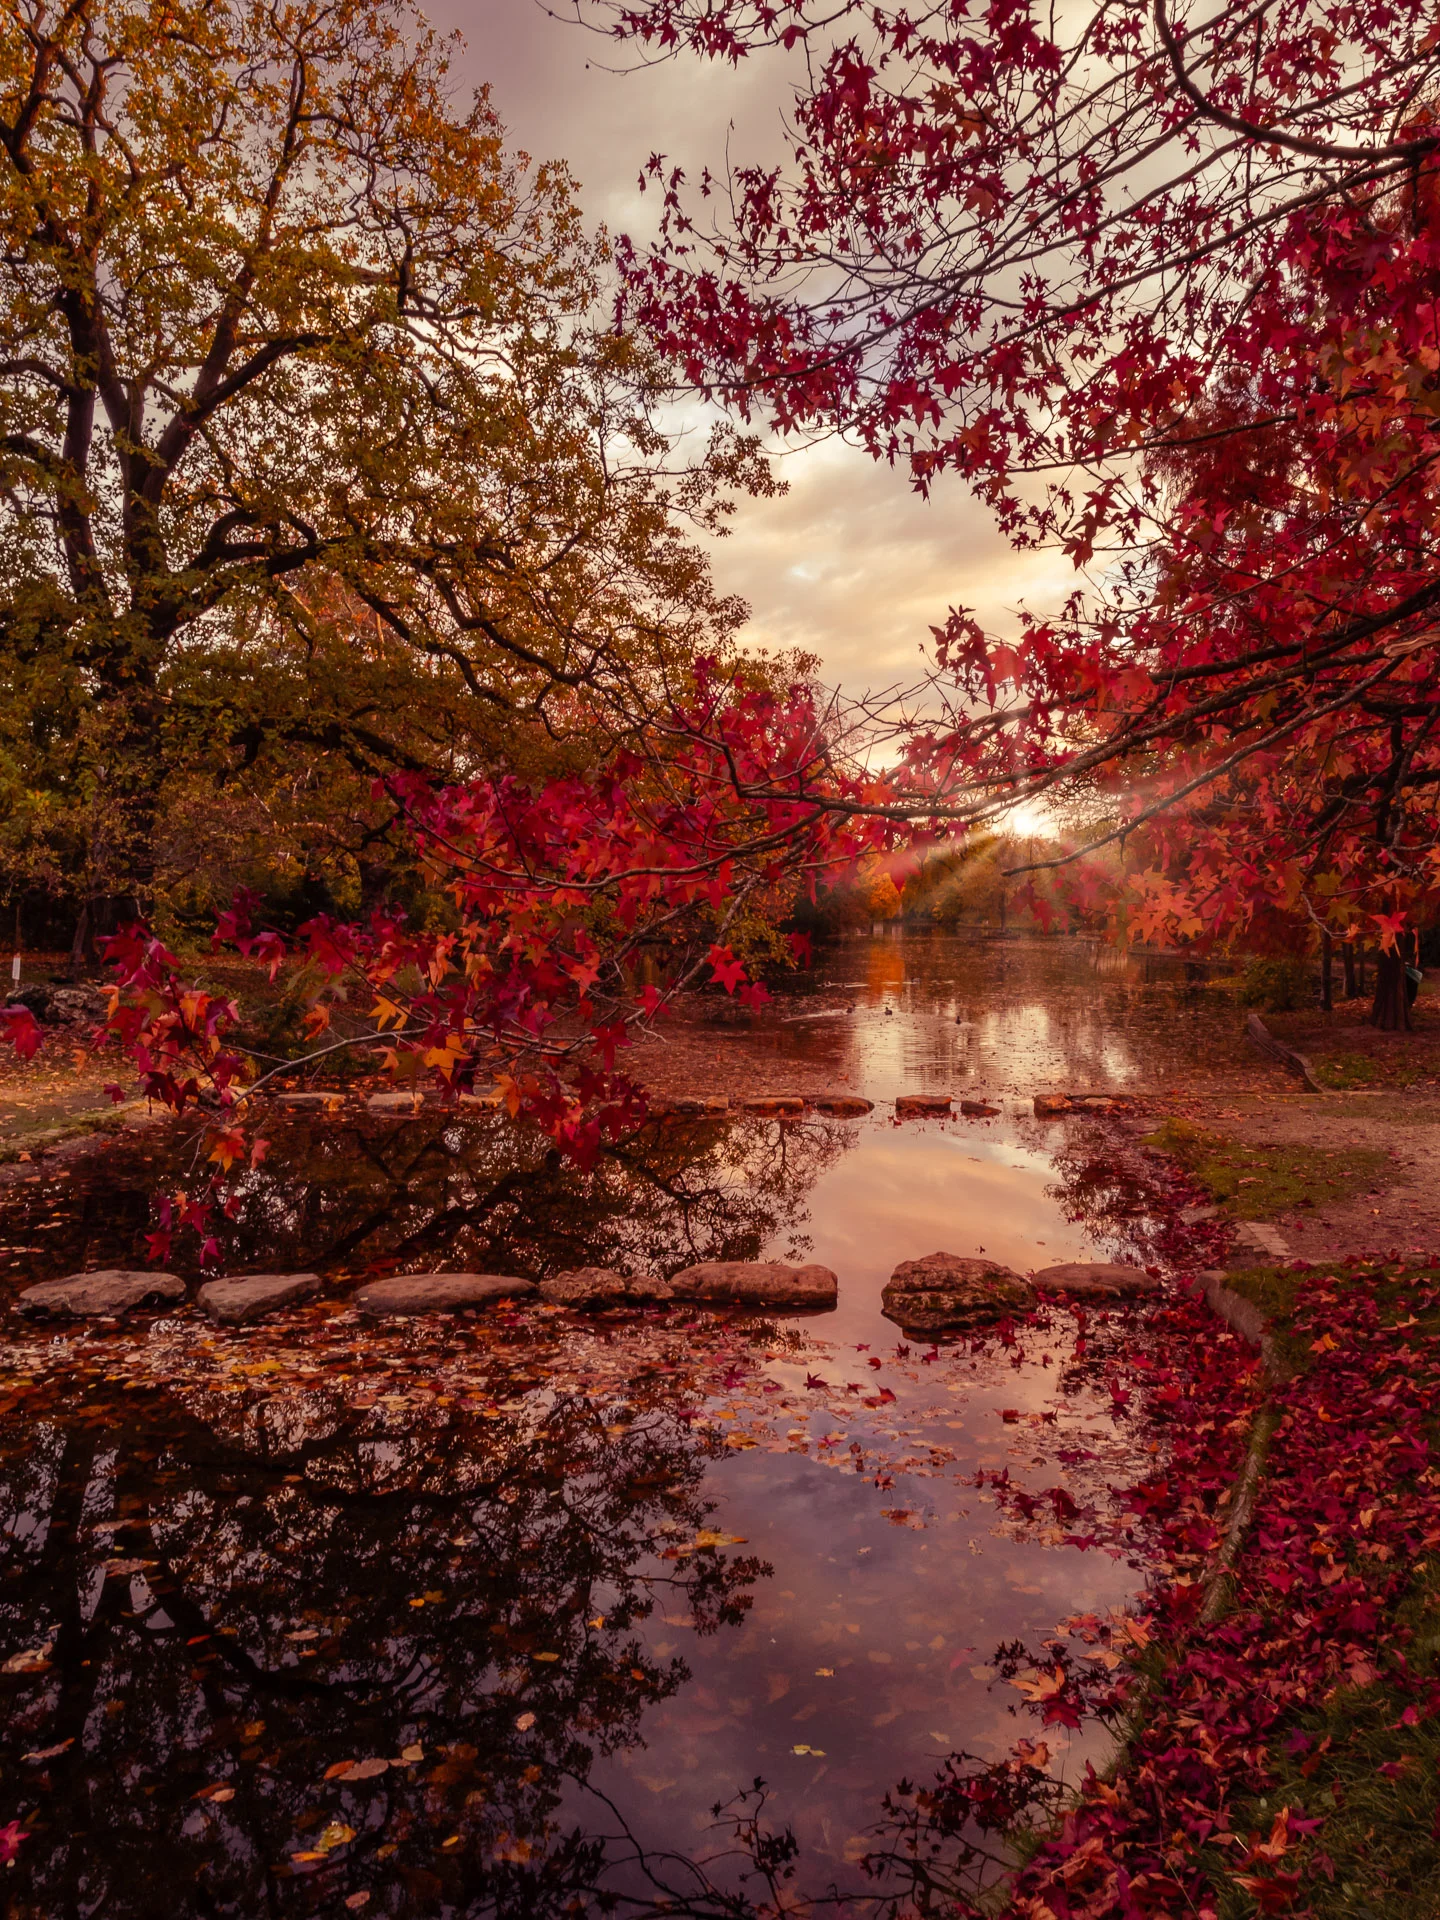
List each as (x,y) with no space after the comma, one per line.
(850,564)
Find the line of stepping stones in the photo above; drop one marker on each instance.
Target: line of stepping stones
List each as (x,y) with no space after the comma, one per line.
(908,1106)
(941,1291)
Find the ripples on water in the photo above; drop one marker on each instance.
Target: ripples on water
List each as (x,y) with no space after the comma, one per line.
(574,1584)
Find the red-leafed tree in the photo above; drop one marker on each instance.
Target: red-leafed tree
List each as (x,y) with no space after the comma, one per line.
(1162,291)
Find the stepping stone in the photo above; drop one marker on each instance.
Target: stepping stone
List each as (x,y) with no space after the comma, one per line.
(397,1102)
(1048,1105)
(106,1290)
(319,1100)
(842,1106)
(234,1303)
(1092,1102)
(407,1293)
(690,1103)
(1103,1278)
(484,1097)
(978,1110)
(921,1106)
(782,1103)
(947,1290)
(1192,1216)
(755,1283)
(590,1287)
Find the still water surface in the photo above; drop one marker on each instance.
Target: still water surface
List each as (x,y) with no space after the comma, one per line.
(489,1617)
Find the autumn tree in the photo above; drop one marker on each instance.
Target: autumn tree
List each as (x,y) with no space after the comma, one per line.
(1160,288)
(308,439)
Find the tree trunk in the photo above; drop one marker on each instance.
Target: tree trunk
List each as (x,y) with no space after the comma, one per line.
(1390,1010)
(1360,968)
(1327,972)
(1347,954)
(82,947)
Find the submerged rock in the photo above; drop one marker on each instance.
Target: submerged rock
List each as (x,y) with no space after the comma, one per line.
(920,1106)
(756,1283)
(406,1293)
(1103,1278)
(590,1287)
(689,1103)
(106,1290)
(843,1106)
(234,1303)
(1047,1105)
(947,1290)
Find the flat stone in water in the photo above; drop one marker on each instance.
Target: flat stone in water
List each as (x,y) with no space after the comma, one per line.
(1100,1277)
(788,1103)
(690,1103)
(1048,1105)
(756,1283)
(107,1290)
(843,1106)
(406,1293)
(603,1287)
(920,1106)
(978,1109)
(947,1290)
(234,1303)
(398,1102)
(319,1099)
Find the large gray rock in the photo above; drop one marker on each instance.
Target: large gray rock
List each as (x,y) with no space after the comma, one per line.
(406,1293)
(947,1290)
(755,1283)
(591,1287)
(107,1290)
(1105,1279)
(234,1303)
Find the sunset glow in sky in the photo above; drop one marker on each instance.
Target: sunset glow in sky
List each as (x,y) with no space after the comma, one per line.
(850,564)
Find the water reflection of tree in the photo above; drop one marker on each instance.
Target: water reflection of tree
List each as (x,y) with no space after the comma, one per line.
(466,1193)
(1107,1185)
(470,1587)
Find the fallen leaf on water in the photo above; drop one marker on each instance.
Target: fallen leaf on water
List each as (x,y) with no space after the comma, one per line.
(825,1673)
(219,1792)
(357,1900)
(33,1660)
(337,1834)
(49,1753)
(525,1722)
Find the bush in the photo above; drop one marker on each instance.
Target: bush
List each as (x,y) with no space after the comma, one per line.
(1280,983)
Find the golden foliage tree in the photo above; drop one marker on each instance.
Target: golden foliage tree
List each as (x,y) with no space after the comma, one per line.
(291,349)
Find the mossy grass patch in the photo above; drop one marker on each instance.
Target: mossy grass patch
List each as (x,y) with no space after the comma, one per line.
(1257,1182)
